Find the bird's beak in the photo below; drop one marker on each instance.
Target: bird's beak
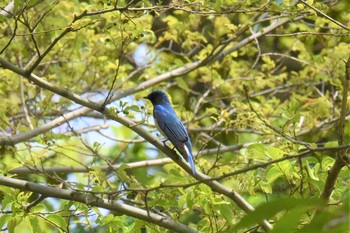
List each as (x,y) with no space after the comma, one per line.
(145,97)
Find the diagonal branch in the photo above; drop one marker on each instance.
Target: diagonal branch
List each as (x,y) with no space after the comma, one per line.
(89,106)
(213,184)
(325,15)
(8,10)
(276,24)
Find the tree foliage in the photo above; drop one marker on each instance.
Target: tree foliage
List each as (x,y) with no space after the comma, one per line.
(262,87)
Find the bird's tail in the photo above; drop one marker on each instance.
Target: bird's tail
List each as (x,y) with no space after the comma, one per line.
(190,159)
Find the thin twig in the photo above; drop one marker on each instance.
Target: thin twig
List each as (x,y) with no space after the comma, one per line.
(325,15)
(34,203)
(25,109)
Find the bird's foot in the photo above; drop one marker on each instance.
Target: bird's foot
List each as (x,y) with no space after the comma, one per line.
(164,140)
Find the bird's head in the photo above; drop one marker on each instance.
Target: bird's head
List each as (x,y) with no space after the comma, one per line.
(158,97)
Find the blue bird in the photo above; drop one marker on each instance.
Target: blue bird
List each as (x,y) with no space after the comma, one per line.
(170,126)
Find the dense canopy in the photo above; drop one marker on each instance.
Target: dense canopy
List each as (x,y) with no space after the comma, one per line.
(261,86)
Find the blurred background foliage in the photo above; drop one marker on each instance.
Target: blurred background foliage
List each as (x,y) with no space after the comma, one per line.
(272,98)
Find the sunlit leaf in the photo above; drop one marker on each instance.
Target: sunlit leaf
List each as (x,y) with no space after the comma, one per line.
(57,220)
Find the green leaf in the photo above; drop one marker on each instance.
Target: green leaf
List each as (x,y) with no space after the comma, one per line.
(273,174)
(132,228)
(331,144)
(23,196)
(269,210)
(182,201)
(256,151)
(311,171)
(334,219)
(274,152)
(34,224)
(9,197)
(123,173)
(38,208)
(5,219)
(269,64)
(181,82)
(11,225)
(207,208)
(289,221)
(227,213)
(213,111)
(218,4)
(171,20)
(134,108)
(265,187)
(109,218)
(57,220)
(327,163)
(190,200)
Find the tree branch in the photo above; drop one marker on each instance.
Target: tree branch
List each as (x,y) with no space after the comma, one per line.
(342,158)
(325,15)
(93,200)
(213,184)
(8,10)
(89,106)
(276,24)
(81,169)
(134,165)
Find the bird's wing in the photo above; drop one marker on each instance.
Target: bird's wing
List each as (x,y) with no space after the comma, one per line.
(170,124)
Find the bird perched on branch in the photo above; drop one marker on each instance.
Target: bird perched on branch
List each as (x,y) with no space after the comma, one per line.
(170,126)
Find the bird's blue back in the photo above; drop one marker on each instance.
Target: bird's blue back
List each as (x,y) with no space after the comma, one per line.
(171,127)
